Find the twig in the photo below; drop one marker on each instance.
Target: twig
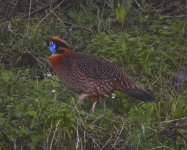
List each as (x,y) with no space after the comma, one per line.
(97,119)
(118,135)
(30,6)
(72,24)
(156,80)
(174,120)
(78,137)
(50,147)
(39,10)
(47,15)
(179,16)
(10,30)
(106,143)
(161,147)
(78,26)
(40,63)
(139,5)
(94,141)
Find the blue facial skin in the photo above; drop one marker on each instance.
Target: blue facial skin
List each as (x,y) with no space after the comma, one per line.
(52,47)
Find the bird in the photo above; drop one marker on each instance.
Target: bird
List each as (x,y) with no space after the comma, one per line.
(90,76)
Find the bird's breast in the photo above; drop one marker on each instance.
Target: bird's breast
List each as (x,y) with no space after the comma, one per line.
(65,68)
(56,59)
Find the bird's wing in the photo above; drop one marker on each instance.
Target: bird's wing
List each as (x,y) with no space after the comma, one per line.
(97,68)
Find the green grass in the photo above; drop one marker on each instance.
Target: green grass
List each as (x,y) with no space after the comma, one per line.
(37,112)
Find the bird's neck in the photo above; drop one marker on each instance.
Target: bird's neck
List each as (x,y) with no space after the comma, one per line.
(56,59)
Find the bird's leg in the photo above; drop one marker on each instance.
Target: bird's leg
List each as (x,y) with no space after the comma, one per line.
(93,106)
(94,100)
(81,98)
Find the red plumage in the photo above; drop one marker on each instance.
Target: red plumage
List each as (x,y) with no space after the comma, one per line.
(91,76)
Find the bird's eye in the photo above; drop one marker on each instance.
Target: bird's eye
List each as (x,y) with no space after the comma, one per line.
(51,43)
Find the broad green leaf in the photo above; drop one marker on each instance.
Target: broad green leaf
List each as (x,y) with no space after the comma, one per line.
(121,13)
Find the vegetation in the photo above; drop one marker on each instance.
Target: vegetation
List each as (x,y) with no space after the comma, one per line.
(147,39)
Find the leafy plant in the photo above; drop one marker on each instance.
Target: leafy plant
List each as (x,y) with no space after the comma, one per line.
(37,112)
(121,13)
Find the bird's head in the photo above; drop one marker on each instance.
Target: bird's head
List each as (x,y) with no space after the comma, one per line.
(57,45)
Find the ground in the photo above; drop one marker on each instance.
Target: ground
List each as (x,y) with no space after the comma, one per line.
(147,40)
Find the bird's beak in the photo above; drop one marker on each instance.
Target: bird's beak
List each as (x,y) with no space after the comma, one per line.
(47,42)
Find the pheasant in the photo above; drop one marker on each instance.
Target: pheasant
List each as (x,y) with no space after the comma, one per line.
(91,76)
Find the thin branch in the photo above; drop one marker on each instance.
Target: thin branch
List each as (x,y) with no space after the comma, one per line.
(39,10)
(47,15)
(72,24)
(179,16)
(179,119)
(118,135)
(139,5)
(58,122)
(30,7)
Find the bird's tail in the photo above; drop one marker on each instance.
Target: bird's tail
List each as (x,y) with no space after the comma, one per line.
(133,89)
(140,95)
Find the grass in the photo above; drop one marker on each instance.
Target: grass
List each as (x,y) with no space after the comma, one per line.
(37,112)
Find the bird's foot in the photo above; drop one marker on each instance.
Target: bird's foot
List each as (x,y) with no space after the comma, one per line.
(81,98)
(93,106)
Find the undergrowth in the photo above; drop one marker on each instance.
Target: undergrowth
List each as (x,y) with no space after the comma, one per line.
(37,112)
